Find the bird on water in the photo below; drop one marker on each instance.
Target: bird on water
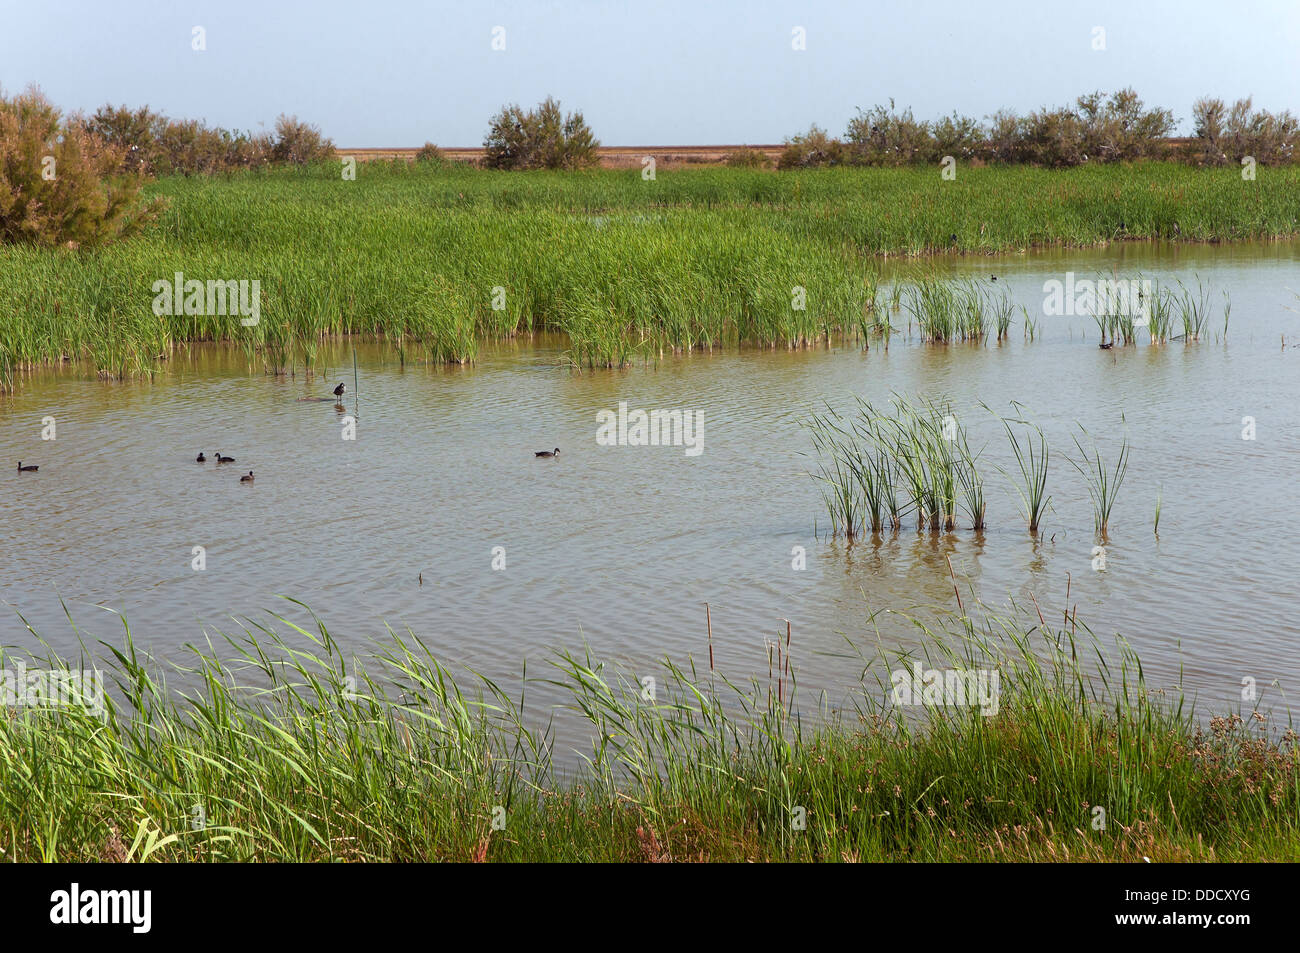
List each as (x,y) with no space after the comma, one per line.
(548,453)
(27,469)
(248,478)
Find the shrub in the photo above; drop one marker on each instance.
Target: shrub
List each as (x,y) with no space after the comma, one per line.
(135,132)
(1120,128)
(155,145)
(746,158)
(541,138)
(87,198)
(880,136)
(299,142)
(1224,135)
(814,148)
(959,136)
(430,153)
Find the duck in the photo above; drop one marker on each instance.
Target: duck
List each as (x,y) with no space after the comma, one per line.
(1106,346)
(248,478)
(28,469)
(221,459)
(340,390)
(200,458)
(548,453)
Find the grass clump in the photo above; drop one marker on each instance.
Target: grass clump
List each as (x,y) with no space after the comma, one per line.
(283,749)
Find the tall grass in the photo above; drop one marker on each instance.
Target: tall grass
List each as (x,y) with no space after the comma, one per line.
(917,450)
(283,748)
(626,268)
(1103,482)
(1032,457)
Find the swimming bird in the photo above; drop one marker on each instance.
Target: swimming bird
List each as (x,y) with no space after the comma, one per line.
(339,391)
(1106,346)
(221,459)
(247,479)
(200,458)
(548,453)
(23,469)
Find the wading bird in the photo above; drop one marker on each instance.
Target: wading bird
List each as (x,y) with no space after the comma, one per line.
(340,390)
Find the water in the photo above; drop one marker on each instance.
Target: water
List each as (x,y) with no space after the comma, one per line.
(618,548)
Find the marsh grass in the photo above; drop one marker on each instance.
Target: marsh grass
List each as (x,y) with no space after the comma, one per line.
(1160,309)
(1032,458)
(1193,309)
(919,449)
(281,747)
(1103,482)
(627,269)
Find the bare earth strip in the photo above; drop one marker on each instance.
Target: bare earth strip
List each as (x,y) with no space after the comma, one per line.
(613,157)
(622,157)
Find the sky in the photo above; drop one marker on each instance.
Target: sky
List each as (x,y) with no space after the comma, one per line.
(650,72)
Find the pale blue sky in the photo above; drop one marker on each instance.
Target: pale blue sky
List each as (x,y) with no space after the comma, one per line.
(652,72)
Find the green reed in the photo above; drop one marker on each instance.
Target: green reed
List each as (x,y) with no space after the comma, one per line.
(1032,458)
(626,268)
(1103,482)
(283,747)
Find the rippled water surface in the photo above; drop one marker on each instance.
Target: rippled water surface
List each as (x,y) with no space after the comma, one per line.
(619,547)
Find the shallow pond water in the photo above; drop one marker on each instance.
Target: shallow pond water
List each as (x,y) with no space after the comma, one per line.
(620,546)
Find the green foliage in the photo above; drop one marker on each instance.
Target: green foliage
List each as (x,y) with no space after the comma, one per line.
(539,138)
(282,747)
(627,269)
(59,184)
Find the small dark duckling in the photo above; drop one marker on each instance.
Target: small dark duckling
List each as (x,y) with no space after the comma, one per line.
(28,469)
(200,458)
(548,453)
(221,459)
(248,478)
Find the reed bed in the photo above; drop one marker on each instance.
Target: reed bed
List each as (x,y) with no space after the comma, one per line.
(283,749)
(435,258)
(878,467)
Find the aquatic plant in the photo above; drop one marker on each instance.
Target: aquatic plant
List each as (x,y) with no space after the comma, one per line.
(282,747)
(1032,457)
(704,258)
(1103,483)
